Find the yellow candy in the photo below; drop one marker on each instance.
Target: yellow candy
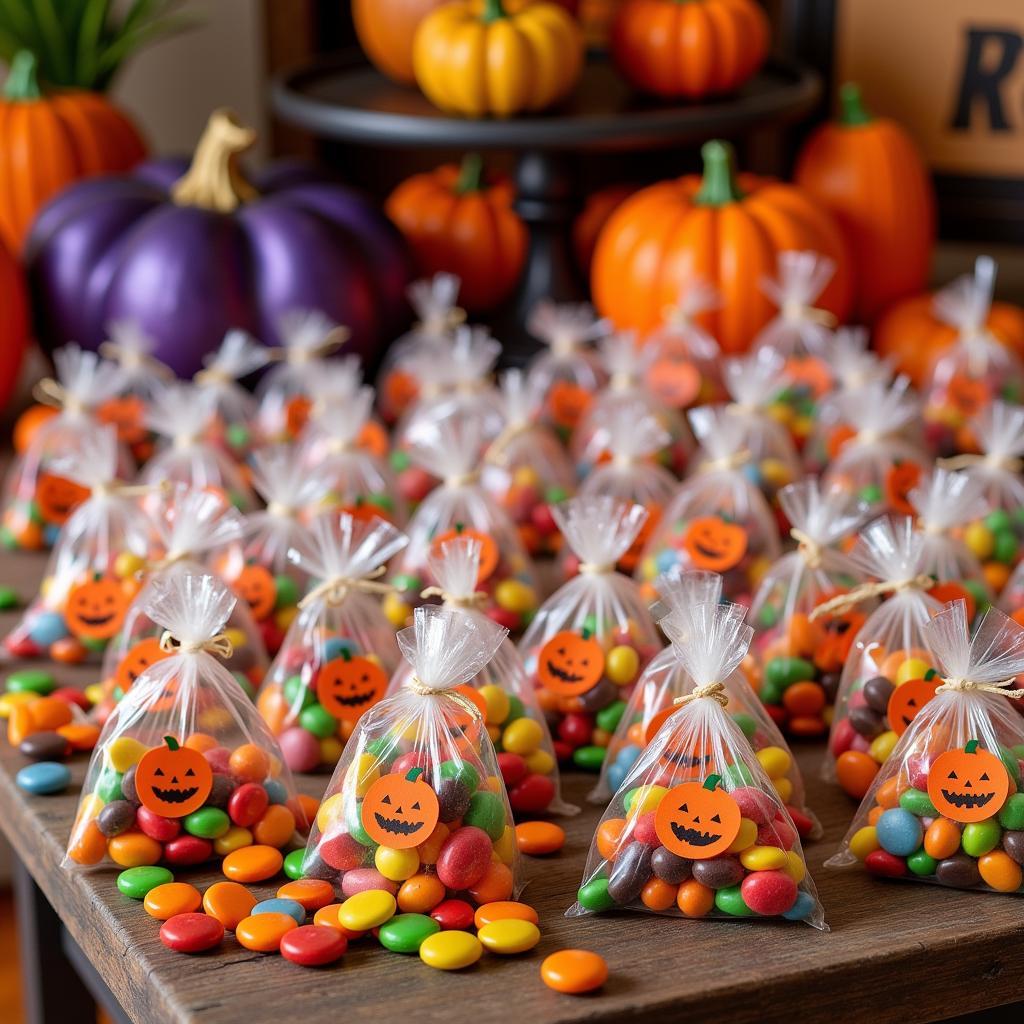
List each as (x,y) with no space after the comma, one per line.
(522,737)
(622,664)
(745,838)
(784,788)
(330,811)
(396,611)
(375,658)
(44,587)
(396,865)
(95,693)
(540,762)
(498,704)
(236,636)
(285,617)
(330,750)
(515,596)
(828,714)
(214,719)
(758,567)
(125,752)
(802,426)
(763,858)
(980,539)
(526,476)
(10,700)
(882,746)
(646,798)
(234,839)
(649,568)
(128,564)
(775,761)
(912,668)
(600,737)
(367,772)
(795,866)
(509,935)
(775,472)
(504,848)
(864,841)
(781,413)
(90,808)
(448,950)
(367,909)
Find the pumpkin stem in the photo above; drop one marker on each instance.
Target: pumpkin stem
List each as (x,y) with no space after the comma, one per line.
(718,187)
(971,747)
(471,174)
(493,10)
(346,655)
(712,781)
(172,743)
(215,181)
(413,774)
(23,78)
(930,674)
(852,111)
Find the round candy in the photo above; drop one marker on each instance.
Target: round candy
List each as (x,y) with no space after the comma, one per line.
(44,778)
(292,908)
(509,936)
(538,838)
(252,863)
(405,933)
(136,882)
(504,910)
(170,899)
(313,945)
(310,893)
(453,915)
(769,893)
(229,903)
(574,971)
(367,909)
(191,933)
(450,950)
(899,832)
(262,933)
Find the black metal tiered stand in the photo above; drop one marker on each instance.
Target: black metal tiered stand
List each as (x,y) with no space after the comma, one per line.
(344,99)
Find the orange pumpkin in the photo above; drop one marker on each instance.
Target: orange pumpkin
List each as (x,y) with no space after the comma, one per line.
(908,698)
(900,479)
(386,29)
(586,229)
(400,811)
(869,173)
(256,587)
(57,497)
(689,50)
(697,820)
(489,554)
(50,142)
(968,785)
(459,220)
(570,664)
(723,228)
(596,17)
(714,544)
(137,659)
(172,780)
(96,609)
(347,686)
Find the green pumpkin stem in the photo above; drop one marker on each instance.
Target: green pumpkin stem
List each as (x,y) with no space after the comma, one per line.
(971,747)
(413,774)
(471,174)
(718,187)
(23,77)
(930,674)
(712,781)
(852,111)
(493,10)
(172,743)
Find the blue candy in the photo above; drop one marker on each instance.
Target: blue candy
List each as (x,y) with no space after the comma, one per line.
(47,628)
(616,774)
(44,777)
(336,646)
(899,832)
(802,909)
(666,560)
(278,905)
(276,791)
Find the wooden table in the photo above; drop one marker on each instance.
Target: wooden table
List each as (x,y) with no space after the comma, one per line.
(896,952)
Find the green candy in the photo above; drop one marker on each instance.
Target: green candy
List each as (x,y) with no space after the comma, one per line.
(590,624)
(31,680)
(918,802)
(747,723)
(108,785)
(9,598)
(589,759)
(93,644)
(767,616)
(461,771)
(997,520)
(381,501)
(293,864)
(207,823)
(400,460)
(730,901)
(407,583)
(1011,817)
(405,933)
(739,774)
(238,435)
(593,895)
(35,514)
(608,718)
(771,693)
(554,494)
(354,819)
(1009,759)
(785,672)
(977,590)
(382,747)
(486,811)
(516,709)
(297,694)
(1005,547)
(286,592)
(981,837)
(247,688)
(921,864)
(872,494)
(319,721)
(135,883)
(1018,515)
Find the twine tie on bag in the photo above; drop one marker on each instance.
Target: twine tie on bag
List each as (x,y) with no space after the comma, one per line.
(302,355)
(714,691)
(441,324)
(869,436)
(334,590)
(52,393)
(497,451)
(563,344)
(476,600)
(960,685)
(280,510)
(726,463)
(219,644)
(213,377)
(596,568)
(118,489)
(462,479)
(133,360)
(421,689)
(169,559)
(795,310)
(623,380)
(865,591)
(994,460)
(810,550)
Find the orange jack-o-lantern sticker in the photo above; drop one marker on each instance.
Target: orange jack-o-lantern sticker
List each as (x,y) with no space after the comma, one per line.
(714,544)
(400,811)
(363,510)
(463,718)
(697,820)
(256,587)
(968,785)
(173,781)
(570,663)
(96,609)
(296,414)
(967,395)
(400,389)
(837,439)
(57,497)
(809,373)
(675,382)
(900,479)
(488,548)
(127,415)
(167,698)
(834,636)
(349,684)
(567,402)
(949,591)
(908,698)
(136,660)
(373,438)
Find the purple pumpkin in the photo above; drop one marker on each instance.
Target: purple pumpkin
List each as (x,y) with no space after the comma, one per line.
(187,256)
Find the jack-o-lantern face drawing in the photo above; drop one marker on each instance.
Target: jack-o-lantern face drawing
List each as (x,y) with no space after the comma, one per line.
(166,698)
(835,635)
(136,660)
(570,664)
(968,785)
(173,781)
(697,820)
(908,698)
(256,587)
(674,381)
(714,544)
(808,373)
(128,415)
(96,609)
(57,497)
(348,685)
(567,402)
(399,810)
(488,548)
(900,479)
(968,395)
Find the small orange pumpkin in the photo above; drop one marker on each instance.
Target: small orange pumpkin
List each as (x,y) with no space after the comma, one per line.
(908,698)
(256,587)
(697,820)
(400,811)
(900,479)
(136,660)
(96,609)
(714,544)
(570,663)
(833,638)
(567,402)
(347,685)
(57,497)
(968,785)
(172,780)
(586,229)
(489,553)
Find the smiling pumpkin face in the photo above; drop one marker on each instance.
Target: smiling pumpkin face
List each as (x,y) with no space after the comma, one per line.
(567,402)
(256,587)
(348,685)
(400,811)
(57,497)
(697,820)
(489,554)
(96,609)
(968,785)
(173,781)
(907,700)
(137,659)
(570,664)
(714,544)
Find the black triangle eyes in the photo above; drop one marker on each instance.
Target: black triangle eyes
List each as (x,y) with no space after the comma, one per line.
(717,819)
(385,799)
(684,809)
(159,772)
(984,777)
(190,772)
(416,806)
(952,775)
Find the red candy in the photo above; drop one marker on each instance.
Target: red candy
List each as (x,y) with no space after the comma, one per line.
(191,933)
(313,945)
(533,795)
(453,915)
(247,804)
(341,852)
(769,892)
(754,805)
(644,830)
(513,770)
(884,864)
(464,858)
(157,827)
(186,851)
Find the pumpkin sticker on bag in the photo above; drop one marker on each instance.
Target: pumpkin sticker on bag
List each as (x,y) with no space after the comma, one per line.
(900,479)
(714,544)
(348,685)
(570,664)
(567,403)
(96,609)
(967,395)
(908,698)
(57,497)
(968,785)
(172,780)
(675,382)
(136,660)
(489,554)
(400,811)
(256,587)
(127,414)
(697,820)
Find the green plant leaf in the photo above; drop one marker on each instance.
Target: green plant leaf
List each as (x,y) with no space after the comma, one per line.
(115,54)
(56,46)
(90,33)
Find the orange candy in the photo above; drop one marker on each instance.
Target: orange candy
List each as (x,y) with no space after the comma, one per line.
(81,735)
(855,771)
(430,849)
(263,933)
(420,894)
(200,741)
(252,863)
(134,850)
(276,826)
(888,793)
(249,763)
(229,903)
(308,806)
(804,699)
(68,651)
(504,910)
(694,899)
(942,839)
(495,885)
(574,971)
(164,901)
(89,845)
(19,724)
(310,893)
(609,834)
(538,838)
(328,917)
(658,895)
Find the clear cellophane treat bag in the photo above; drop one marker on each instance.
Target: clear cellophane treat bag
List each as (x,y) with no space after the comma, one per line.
(265,578)
(416,806)
(340,649)
(631,473)
(285,391)
(142,374)
(1013,595)
(974,370)
(357,478)
(887,675)
(182,416)
(526,469)
(626,364)
(718,520)
(197,533)
(799,660)
(997,540)
(450,449)
(567,372)
(593,637)
(185,771)
(752,383)
(91,576)
(698,828)
(801,334)
(946,807)
(872,448)
(852,365)
(435,303)
(37,500)
(235,419)
(503,692)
